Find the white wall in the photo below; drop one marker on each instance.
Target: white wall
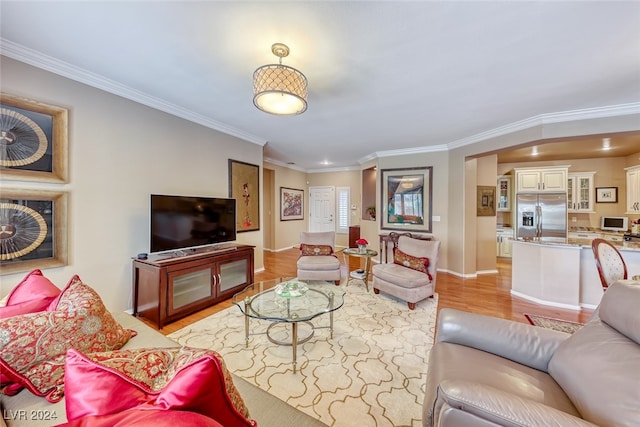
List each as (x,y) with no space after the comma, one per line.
(119,153)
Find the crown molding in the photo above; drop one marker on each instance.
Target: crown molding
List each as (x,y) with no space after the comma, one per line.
(48,63)
(542,119)
(45,62)
(299,169)
(283,164)
(409,151)
(341,169)
(367,158)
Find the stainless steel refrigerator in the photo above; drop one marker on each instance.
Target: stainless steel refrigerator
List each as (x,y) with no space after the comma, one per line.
(541,217)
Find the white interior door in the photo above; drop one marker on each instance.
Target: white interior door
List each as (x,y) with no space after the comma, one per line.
(322,208)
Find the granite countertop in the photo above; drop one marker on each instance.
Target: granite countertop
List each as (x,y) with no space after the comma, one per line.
(586,244)
(596,230)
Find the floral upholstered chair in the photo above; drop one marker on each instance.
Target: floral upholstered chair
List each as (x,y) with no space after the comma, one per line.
(412,274)
(317,259)
(611,266)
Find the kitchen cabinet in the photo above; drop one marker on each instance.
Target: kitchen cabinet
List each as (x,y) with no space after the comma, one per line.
(580,192)
(166,287)
(633,190)
(541,180)
(613,237)
(504,194)
(583,235)
(504,238)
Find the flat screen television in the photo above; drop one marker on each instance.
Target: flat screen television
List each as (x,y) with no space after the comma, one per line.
(179,222)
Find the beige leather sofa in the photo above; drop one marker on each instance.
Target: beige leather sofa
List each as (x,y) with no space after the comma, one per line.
(485,371)
(26,409)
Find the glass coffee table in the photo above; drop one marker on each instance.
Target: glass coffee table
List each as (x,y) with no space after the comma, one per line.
(289,301)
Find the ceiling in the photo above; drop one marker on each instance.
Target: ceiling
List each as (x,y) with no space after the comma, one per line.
(621,144)
(384,77)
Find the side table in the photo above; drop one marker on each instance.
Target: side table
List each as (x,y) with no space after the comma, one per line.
(364,276)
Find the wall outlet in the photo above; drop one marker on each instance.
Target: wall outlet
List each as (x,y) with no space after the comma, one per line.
(574,219)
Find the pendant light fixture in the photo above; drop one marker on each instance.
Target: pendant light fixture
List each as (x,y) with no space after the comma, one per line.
(279,89)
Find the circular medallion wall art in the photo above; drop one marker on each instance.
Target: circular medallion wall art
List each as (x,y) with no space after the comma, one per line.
(33,140)
(22,230)
(22,141)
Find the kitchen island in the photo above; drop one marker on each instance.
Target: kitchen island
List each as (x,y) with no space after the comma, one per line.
(563,274)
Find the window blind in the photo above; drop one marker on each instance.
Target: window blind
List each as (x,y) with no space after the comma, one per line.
(344,197)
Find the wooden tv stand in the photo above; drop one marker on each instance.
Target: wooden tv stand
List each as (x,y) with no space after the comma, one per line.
(172,285)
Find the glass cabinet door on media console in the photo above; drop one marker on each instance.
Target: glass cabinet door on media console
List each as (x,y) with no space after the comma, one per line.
(167,288)
(205,281)
(232,273)
(189,286)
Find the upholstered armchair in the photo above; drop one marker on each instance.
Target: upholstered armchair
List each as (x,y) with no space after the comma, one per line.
(317,260)
(412,274)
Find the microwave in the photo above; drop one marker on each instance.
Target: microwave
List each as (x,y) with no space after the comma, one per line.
(614,223)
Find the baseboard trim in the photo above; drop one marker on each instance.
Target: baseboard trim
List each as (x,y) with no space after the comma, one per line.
(455,273)
(544,302)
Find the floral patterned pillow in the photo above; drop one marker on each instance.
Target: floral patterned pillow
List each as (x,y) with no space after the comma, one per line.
(184,378)
(415,263)
(33,346)
(311,250)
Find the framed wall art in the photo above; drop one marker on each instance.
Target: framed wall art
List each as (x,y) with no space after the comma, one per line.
(244,186)
(406,196)
(606,194)
(33,230)
(486,200)
(33,140)
(291,204)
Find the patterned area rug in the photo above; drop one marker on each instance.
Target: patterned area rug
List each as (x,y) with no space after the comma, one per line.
(372,373)
(555,324)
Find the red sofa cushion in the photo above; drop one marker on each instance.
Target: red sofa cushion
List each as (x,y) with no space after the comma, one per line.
(181,378)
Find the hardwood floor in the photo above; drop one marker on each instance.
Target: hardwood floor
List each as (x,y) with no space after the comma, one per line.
(487,294)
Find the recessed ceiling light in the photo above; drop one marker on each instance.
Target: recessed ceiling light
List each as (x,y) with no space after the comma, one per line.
(606,143)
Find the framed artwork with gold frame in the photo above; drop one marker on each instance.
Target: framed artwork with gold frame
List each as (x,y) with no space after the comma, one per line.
(244,186)
(486,200)
(33,140)
(33,230)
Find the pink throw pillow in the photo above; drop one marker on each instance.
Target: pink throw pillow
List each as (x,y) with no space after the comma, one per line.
(143,417)
(181,378)
(33,294)
(33,346)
